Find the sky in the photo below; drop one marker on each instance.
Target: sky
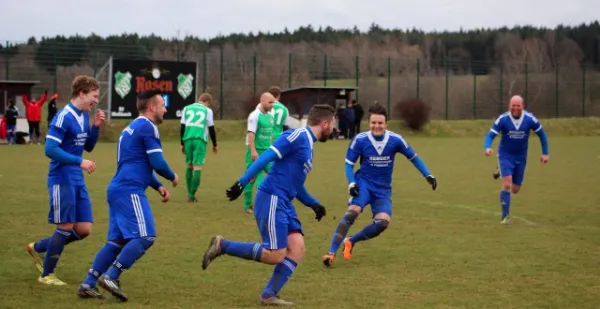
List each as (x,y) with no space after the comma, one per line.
(22,19)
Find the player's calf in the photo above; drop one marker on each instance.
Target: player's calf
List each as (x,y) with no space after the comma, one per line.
(340,233)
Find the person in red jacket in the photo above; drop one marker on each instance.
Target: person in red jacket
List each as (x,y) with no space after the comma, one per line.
(33,112)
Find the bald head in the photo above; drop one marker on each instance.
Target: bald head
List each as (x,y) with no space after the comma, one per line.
(516,106)
(266,102)
(516,99)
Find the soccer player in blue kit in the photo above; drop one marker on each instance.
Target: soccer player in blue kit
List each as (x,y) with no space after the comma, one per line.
(281,231)
(372,182)
(131,229)
(514,126)
(70,206)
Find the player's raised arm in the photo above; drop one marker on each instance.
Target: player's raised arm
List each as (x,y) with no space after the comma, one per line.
(54,139)
(404,148)
(92,139)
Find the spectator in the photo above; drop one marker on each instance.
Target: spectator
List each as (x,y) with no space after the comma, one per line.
(12,113)
(52,109)
(351,118)
(34,115)
(358,113)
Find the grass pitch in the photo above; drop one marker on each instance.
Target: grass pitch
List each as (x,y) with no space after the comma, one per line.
(444,249)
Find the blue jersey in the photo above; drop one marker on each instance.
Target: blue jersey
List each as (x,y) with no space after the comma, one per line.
(515,133)
(377,157)
(70,128)
(134,171)
(294,148)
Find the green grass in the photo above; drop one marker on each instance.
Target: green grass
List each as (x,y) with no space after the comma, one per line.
(444,249)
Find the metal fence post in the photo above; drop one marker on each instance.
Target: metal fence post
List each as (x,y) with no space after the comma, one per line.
(325,70)
(222,77)
(356,75)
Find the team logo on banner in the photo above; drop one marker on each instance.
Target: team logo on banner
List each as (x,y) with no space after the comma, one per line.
(122,83)
(184,85)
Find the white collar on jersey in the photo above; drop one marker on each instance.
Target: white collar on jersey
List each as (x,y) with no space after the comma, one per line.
(79,118)
(517,122)
(379,145)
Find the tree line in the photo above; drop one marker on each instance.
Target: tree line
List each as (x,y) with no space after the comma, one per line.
(476,51)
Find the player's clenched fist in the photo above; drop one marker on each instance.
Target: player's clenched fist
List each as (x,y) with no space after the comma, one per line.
(234,191)
(545,159)
(489,152)
(166,195)
(432,181)
(320,211)
(99,118)
(88,166)
(353,189)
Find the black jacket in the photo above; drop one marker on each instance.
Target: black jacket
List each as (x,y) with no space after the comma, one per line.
(52,109)
(11,116)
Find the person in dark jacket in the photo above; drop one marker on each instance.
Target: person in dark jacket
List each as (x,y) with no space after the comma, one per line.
(351,119)
(52,108)
(342,121)
(358,113)
(12,113)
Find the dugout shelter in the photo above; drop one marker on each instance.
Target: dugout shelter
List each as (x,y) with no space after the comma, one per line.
(299,100)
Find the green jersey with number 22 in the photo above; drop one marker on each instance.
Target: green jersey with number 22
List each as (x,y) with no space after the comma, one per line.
(197,118)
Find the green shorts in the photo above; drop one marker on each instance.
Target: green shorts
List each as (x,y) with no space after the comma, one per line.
(249,158)
(195,151)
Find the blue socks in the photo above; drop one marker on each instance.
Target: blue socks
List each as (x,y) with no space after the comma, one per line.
(505,203)
(56,244)
(132,251)
(104,258)
(244,250)
(283,271)
(370,231)
(42,245)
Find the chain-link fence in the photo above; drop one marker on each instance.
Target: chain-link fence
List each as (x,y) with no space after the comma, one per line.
(231,76)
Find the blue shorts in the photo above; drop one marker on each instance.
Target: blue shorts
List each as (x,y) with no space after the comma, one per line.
(69,204)
(512,166)
(11,128)
(130,217)
(276,219)
(380,200)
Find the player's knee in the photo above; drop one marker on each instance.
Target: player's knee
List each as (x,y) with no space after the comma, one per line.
(274,257)
(147,242)
(83,230)
(197,167)
(516,189)
(350,217)
(381,224)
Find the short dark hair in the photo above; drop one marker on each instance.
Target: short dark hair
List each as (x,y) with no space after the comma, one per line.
(144,97)
(378,109)
(319,113)
(275,91)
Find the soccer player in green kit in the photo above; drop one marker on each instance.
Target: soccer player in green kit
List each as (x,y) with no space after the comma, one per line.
(280,113)
(258,139)
(196,124)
